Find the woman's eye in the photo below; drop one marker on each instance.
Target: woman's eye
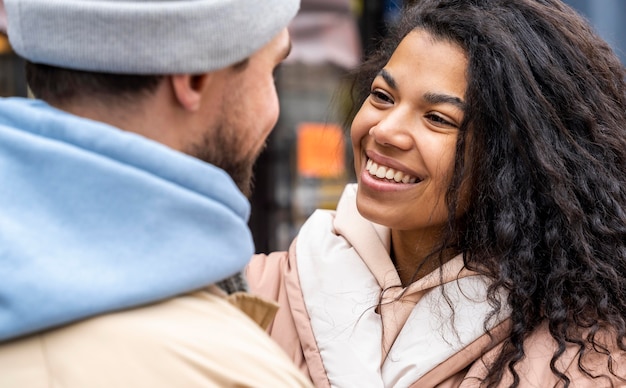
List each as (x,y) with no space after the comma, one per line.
(380,96)
(438,120)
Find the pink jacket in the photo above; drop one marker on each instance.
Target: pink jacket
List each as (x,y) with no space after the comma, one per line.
(328,286)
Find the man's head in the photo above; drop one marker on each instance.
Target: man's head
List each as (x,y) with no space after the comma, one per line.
(195,75)
(237,107)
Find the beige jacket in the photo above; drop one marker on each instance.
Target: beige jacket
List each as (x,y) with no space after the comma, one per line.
(335,272)
(195,340)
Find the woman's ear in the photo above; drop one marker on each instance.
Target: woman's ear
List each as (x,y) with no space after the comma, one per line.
(188,89)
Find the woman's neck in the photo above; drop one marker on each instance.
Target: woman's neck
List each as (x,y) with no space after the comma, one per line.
(410,251)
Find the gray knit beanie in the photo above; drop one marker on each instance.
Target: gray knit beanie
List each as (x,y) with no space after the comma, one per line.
(144,36)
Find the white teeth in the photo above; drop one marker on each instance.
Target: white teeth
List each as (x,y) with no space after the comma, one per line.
(372,168)
(384,172)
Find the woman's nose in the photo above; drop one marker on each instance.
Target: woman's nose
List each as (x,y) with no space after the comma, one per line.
(394,130)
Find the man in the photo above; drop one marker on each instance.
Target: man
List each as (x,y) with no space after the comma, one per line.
(122,204)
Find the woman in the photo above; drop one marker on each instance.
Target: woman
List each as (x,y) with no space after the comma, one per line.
(485,241)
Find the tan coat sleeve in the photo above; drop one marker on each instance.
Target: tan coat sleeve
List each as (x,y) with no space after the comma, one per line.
(197,340)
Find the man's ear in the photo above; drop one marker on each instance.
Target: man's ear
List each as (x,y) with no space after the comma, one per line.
(188,89)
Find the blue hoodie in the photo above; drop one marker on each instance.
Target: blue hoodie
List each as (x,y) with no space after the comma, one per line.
(95,219)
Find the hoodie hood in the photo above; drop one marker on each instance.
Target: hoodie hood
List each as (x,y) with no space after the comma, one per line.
(96,219)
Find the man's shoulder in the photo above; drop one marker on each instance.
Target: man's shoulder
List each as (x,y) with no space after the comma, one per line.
(198,339)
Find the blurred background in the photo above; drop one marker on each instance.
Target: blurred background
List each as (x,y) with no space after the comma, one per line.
(308,157)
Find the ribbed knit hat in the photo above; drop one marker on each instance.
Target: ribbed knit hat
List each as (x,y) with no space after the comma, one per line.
(144,36)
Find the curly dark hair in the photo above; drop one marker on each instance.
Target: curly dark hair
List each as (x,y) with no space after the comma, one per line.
(541,155)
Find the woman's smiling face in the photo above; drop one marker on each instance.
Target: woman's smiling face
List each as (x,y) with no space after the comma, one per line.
(404,136)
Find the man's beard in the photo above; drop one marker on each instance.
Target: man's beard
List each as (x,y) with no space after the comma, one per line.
(224,152)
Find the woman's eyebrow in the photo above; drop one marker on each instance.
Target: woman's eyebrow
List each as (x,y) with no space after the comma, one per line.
(439,98)
(388,78)
(433,98)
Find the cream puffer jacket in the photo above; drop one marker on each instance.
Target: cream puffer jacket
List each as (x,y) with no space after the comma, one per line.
(328,286)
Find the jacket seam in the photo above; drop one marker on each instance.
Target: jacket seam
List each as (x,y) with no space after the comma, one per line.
(46,361)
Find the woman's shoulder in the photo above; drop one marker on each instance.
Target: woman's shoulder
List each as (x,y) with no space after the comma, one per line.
(600,358)
(602,364)
(264,273)
(274,276)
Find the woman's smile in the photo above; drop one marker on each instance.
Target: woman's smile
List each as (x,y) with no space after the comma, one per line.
(387,173)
